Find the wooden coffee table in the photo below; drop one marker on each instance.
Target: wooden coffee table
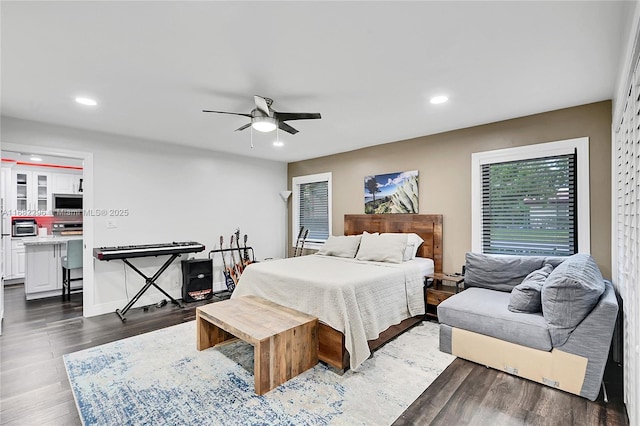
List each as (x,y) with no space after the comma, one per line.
(285,341)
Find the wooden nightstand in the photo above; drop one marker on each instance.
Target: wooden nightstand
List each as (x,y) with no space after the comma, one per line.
(443,287)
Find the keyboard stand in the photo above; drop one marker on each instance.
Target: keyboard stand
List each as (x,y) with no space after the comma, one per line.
(148,283)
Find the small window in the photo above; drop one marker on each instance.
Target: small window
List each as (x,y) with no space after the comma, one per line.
(529,200)
(312,208)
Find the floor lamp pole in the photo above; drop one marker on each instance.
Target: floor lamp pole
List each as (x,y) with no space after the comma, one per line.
(285,197)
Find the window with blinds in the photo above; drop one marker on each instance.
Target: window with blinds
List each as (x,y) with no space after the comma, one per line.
(529,206)
(314,209)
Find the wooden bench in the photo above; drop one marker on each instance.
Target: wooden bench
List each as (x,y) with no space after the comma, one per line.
(285,341)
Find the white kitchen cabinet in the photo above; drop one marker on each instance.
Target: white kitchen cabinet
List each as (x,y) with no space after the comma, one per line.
(66,183)
(6,193)
(42,266)
(43,276)
(17,259)
(5,220)
(6,256)
(32,192)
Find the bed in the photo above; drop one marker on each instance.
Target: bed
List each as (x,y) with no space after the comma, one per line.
(360,304)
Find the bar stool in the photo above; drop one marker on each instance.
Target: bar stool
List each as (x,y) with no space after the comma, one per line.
(73,260)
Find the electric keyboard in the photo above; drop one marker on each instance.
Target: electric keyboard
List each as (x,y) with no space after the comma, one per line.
(124,252)
(174,250)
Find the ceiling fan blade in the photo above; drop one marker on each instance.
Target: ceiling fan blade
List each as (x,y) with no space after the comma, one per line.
(230,113)
(243,127)
(285,127)
(262,105)
(285,116)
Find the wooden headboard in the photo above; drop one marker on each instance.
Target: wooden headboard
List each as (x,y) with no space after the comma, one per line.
(428,226)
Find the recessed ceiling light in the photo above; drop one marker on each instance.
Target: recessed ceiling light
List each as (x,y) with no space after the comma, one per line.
(278,143)
(34,158)
(440,99)
(86,101)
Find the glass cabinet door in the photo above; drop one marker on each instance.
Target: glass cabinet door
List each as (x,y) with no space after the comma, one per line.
(43,184)
(32,192)
(21,191)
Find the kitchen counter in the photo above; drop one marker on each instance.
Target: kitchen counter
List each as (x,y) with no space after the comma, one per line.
(43,265)
(49,239)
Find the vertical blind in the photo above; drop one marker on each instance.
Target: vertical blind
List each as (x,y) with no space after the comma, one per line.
(529,206)
(314,209)
(627,224)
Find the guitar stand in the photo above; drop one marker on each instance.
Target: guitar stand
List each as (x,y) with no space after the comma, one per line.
(253,255)
(148,283)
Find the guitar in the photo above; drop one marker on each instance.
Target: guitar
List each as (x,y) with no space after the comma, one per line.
(236,266)
(295,252)
(229,281)
(304,238)
(242,264)
(246,252)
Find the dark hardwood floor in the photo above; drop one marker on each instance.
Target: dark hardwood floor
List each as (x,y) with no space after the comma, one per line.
(35,389)
(470,394)
(35,334)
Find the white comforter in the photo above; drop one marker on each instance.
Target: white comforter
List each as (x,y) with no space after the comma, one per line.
(359,299)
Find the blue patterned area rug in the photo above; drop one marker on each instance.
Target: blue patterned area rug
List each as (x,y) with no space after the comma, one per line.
(159,378)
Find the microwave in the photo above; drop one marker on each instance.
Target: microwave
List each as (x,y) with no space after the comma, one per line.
(67,204)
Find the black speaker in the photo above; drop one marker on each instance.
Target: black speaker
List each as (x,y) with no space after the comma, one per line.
(197,279)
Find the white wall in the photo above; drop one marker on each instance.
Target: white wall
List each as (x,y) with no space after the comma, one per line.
(172,193)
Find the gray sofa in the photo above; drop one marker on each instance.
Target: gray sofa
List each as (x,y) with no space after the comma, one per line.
(546,319)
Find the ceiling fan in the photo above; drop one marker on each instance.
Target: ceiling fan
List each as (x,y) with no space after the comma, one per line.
(266,119)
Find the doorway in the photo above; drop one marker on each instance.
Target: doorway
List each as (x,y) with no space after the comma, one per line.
(43,172)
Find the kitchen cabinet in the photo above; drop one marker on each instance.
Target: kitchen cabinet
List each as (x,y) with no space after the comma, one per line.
(66,183)
(43,266)
(5,220)
(6,256)
(43,275)
(5,195)
(32,194)
(17,258)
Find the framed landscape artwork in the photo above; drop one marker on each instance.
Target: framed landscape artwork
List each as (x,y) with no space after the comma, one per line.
(391,193)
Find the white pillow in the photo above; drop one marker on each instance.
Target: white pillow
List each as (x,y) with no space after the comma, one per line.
(342,246)
(413,244)
(382,248)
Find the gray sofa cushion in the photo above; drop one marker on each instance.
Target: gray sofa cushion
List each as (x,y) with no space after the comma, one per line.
(526,297)
(485,311)
(501,272)
(569,294)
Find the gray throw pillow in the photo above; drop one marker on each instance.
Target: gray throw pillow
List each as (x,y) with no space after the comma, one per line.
(569,295)
(501,273)
(526,297)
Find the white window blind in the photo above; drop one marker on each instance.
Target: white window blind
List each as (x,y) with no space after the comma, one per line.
(529,206)
(627,226)
(312,208)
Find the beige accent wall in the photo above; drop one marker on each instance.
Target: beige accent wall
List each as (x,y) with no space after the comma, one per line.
(444,165)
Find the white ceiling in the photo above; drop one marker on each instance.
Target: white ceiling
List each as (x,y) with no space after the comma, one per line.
(368,67)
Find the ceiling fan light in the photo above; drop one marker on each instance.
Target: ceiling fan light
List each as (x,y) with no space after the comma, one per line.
(264,124)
